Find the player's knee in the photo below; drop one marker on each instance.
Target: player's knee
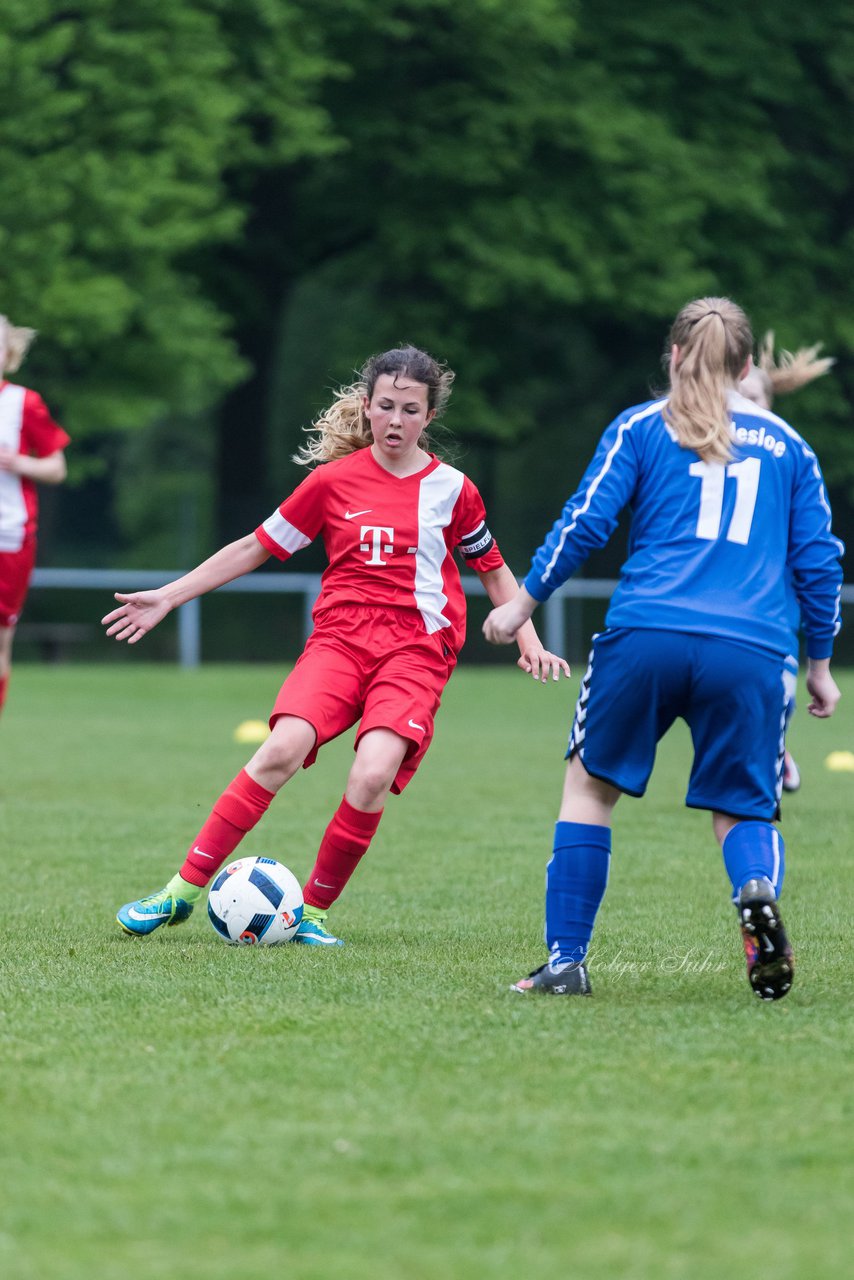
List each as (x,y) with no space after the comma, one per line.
(370,781)
(277,767)
(722,824)
(284,752)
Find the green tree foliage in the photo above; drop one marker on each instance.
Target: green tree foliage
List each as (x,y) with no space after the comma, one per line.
(532,192)
(114,124)
(761,99)
(118,122)
(268,190)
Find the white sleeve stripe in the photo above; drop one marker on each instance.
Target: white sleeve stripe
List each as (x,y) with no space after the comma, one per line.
(594,484)
(813,463)
(284,534)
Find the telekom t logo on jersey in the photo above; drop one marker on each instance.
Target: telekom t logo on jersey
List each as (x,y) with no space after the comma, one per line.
(373,540)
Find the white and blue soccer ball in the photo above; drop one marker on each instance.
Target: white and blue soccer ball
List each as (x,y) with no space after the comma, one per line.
(255,901)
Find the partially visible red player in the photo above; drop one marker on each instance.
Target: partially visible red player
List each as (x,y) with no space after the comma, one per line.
(31,452)
(768,378)
(389,623)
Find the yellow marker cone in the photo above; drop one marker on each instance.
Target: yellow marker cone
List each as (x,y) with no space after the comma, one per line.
(251,731)
(840,762)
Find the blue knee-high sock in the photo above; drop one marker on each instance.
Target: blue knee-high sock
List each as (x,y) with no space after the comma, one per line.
(754,851)
(576,878)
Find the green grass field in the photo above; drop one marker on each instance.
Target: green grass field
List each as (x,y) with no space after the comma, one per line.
(177,1108)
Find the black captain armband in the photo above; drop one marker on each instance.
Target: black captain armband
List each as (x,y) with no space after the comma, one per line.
(476,544)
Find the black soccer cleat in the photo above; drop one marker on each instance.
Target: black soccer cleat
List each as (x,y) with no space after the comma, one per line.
(770,961)
(568,980)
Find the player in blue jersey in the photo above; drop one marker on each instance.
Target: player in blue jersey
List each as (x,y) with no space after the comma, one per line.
(728,504)
(768,378)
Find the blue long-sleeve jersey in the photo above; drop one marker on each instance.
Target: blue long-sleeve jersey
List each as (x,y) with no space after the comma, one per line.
(712,545)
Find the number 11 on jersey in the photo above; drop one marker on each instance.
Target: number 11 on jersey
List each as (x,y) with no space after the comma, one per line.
(713,477)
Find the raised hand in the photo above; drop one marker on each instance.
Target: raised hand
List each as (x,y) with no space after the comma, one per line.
(139,612)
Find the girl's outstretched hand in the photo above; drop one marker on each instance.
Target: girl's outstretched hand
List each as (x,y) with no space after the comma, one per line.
(139,612)
(538,662)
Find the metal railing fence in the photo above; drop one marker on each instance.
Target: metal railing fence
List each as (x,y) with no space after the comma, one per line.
(189,616)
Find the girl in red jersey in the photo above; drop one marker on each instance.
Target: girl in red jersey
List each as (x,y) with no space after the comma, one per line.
(389,623)
(766,379)
(31,452)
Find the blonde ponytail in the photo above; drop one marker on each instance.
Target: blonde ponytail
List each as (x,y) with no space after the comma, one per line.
(18,343)
(341,429)
(794,369)
(714,340)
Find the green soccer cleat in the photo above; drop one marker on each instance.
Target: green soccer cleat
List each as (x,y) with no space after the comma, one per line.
(312,933)
(147,914)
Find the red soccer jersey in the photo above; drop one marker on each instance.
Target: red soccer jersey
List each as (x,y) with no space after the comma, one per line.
(26,427)
(389,540)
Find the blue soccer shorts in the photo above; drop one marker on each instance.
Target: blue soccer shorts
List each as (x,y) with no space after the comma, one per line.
(731,696)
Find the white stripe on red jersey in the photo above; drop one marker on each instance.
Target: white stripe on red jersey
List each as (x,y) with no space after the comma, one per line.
(438,494)
(389,539)
(284,534)
(13,507)
(25,427)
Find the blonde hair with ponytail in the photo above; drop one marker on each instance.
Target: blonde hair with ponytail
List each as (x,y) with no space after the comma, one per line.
(344,427)
(714,341)
(793,369)
(18,343)
(341,429)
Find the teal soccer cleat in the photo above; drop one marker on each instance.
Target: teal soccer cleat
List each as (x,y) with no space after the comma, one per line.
(147,914)
(313,934)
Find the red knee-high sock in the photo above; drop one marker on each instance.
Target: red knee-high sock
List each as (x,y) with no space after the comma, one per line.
(344,842)
(4,685)
(243,803)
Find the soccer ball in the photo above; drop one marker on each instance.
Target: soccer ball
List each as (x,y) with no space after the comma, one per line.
(255,900)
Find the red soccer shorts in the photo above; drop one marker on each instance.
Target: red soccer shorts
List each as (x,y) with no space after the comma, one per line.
(374,666)
(16,568)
